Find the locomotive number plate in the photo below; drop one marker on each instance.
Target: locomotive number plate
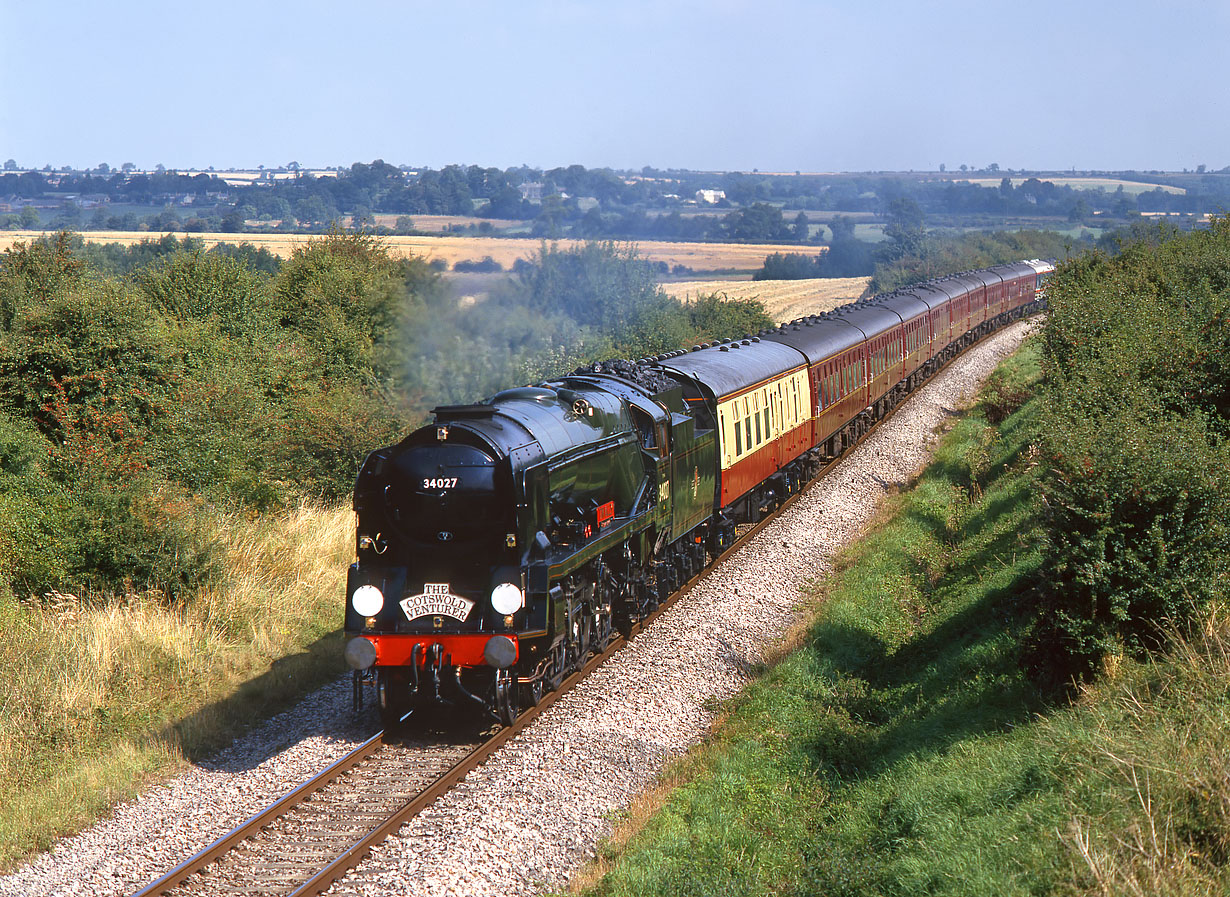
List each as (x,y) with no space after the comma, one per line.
(439,482)
(436,601)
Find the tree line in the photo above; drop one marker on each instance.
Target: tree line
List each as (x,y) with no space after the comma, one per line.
(575,201)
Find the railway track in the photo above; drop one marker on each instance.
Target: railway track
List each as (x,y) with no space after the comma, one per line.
(309,838)
(303,842)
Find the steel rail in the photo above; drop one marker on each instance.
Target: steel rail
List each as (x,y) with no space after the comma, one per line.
(261,819)
(321,880)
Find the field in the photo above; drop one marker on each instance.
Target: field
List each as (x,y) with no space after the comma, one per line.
(784,300)
(1110,185)
(438,224)
(701,257)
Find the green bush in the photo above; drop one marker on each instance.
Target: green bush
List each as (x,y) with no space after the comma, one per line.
(37,272)
(1138,467)
(195,286)
(716,317)
(344,296)
(88,366)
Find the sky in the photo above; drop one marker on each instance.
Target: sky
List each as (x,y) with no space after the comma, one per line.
(774,85)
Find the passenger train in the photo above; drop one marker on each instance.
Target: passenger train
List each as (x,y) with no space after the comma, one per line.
(504,542)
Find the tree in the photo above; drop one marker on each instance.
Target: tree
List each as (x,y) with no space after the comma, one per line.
(70,214)
(232,222)
(316,210)
(848,256)
(758,223)
(842,228)
(548,221)
(506,202)
(800,228)
(790,266)
(29,217)
(127,167)
(279,208)
(904,228)
(10,165)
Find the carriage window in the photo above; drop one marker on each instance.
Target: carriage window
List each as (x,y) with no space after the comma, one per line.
(738,440)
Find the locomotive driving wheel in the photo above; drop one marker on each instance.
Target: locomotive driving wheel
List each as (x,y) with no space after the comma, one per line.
(603,630)
(531,692)
(505,697)
(579,644)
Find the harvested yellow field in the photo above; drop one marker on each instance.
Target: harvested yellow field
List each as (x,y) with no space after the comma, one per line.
(1110,185)
(784,300)
(437,224)
(451,249)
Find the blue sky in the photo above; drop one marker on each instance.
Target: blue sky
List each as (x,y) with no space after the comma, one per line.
(778,85)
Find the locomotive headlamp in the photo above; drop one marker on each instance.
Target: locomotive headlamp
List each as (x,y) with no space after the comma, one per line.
(506,598)
(367,601)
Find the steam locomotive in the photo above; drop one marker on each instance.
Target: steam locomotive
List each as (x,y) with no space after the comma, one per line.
(504,542)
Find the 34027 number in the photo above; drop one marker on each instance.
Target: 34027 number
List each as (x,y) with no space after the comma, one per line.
(439,482)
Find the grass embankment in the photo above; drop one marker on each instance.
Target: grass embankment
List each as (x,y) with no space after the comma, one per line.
(102,695)
(902,749)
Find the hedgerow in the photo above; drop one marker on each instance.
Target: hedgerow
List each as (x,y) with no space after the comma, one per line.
(1137,485)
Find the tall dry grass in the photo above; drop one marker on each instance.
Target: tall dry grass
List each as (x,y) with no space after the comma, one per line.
(103,692)
(1155,786)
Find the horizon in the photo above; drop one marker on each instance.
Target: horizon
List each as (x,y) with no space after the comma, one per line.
(48,168)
